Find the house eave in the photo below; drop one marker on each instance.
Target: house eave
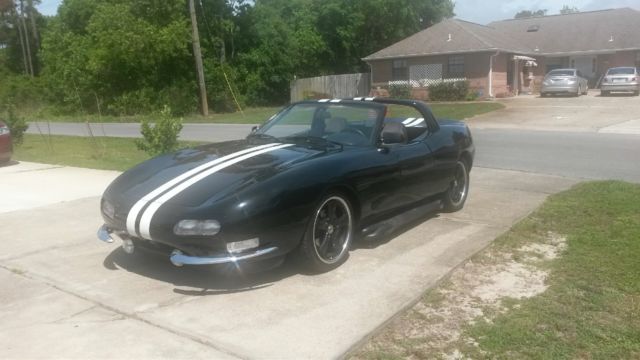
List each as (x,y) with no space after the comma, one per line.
(487,50)
(585,52)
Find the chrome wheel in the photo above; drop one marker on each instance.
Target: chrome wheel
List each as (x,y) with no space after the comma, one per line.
(332,230)
(459,185)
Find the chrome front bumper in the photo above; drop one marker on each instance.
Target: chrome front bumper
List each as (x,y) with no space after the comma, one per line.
(178,258)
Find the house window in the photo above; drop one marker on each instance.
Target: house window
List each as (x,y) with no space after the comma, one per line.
(399,70)
(456,66)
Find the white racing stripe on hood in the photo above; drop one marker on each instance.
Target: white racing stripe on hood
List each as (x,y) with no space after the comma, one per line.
(147,216)
(140,204)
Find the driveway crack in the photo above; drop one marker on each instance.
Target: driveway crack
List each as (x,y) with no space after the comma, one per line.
(124,314)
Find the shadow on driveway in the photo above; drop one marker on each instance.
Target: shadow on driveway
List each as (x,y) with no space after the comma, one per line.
(229,278)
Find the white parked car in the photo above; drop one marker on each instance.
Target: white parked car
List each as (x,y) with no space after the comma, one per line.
(621,79)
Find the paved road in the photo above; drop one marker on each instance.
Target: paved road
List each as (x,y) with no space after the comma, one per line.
(588,155)
(572,154)
(195,132)
(67,295)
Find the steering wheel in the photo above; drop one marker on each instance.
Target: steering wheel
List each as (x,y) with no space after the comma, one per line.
(355,131)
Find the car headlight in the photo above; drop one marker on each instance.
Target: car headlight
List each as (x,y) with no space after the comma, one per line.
(4,130)
(108,209)
(197,228)
(571,82)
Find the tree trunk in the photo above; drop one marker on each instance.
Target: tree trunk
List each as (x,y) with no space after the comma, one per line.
(34,27)
(197,54)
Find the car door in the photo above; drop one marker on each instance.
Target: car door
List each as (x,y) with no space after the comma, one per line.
(416,171)
(444,152)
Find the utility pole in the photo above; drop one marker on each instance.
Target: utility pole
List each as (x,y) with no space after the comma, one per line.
(197,54)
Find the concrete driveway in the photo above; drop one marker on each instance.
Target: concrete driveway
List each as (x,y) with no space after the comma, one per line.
(66,295)
(618,113)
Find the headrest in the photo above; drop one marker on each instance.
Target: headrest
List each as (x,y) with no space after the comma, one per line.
(394,133)
(335,125)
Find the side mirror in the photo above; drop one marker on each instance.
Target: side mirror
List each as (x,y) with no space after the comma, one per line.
(254,129)
(393,133)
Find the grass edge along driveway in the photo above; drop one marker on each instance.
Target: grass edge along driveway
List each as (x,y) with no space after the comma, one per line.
(561,284)
(104,153)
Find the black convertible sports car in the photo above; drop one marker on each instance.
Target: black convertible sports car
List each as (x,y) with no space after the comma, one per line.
(311,179)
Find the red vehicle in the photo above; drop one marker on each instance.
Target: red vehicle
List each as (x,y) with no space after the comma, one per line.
(6,147)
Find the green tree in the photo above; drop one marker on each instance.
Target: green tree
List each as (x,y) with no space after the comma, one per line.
(280,39)
(530,13)
(118,52)
(566,9)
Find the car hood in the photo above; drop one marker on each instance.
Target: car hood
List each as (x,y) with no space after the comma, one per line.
(192,177)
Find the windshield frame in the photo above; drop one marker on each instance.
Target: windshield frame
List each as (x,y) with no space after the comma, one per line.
(375,132)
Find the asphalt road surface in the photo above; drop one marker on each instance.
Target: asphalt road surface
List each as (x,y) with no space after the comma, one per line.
(588,155)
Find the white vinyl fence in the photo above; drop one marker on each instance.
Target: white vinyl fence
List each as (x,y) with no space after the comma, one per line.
(331,86)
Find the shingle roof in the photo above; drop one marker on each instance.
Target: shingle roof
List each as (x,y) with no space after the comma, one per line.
(450,36)
(578,32)
(556,34)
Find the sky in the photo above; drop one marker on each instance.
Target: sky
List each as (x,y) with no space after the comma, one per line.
(480,11)
(486,11)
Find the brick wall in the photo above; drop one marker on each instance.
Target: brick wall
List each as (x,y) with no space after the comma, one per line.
(624,58)
(476,67)
(500,68)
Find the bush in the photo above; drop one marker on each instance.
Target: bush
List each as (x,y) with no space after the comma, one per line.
(398,91)
(21,91)
(449,91)
(17,126)
(163,137)
(219,95)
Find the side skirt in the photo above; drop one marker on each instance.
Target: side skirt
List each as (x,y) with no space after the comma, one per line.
(388,226)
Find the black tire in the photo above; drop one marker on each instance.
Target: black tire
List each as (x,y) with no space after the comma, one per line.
(636,93)
(329,235)
(604,93)
(543,94)
(455,197)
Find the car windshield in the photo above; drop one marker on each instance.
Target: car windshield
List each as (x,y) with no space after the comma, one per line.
(344,124)
(621,71)
(562,73)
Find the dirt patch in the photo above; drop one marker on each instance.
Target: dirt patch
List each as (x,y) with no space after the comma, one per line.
(474,292)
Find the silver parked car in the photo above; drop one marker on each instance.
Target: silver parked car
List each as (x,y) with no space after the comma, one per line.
(621,79)
(564,81)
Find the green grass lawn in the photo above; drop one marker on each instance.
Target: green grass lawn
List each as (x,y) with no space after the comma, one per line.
(258,115)
(591,308)
(106,153)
